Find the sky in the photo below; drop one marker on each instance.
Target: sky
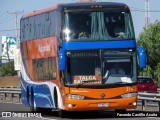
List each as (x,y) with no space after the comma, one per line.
(8,7)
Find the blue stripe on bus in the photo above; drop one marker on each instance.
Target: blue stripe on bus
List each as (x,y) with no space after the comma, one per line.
(42,99)
(99,45)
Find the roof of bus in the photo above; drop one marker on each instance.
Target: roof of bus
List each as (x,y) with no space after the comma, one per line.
(40,11)
(75,5)
(93,3)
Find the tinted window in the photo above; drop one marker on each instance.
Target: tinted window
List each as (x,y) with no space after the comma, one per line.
(44,68)
(38,26)
(145,80)
(113,25)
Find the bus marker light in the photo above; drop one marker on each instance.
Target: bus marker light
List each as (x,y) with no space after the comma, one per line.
(70,105)
(134,103)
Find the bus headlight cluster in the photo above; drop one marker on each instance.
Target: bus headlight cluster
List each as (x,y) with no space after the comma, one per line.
(72,96)
(128,95)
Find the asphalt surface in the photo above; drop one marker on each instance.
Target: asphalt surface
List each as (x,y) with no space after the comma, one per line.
(19,112)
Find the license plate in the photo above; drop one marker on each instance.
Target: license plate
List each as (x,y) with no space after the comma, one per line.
(103,104)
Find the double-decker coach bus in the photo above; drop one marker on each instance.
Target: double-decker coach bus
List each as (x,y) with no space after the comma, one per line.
(80,57)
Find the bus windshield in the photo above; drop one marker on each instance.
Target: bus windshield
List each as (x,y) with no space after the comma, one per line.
(90,68)
(88,26)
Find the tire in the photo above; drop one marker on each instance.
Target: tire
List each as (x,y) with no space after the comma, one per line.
(32,105)
(55,98)
(61,113)
(28,97)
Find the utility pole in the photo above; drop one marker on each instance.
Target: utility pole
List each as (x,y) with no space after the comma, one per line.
(147,14)
(16,13)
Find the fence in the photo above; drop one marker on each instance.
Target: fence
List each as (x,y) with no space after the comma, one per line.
(6,93)
(149,97)
(159,90)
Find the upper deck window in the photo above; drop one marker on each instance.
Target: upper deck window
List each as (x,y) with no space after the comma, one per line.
(38,26)
(106,25)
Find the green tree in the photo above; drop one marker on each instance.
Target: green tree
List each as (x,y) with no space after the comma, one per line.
(150,40)
(8,70)
(157,74)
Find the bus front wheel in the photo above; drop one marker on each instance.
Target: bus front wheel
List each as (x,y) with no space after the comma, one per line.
(61,113)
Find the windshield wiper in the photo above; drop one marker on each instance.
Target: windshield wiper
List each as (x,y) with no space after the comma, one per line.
(107,75)
(86,81)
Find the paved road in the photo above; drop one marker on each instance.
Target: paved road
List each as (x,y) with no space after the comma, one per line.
(18,108)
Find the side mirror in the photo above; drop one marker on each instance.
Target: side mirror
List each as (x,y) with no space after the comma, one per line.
(62,59)
(142,57)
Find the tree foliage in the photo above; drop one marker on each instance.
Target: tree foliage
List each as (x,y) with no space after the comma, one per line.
(8,70)
(150,40)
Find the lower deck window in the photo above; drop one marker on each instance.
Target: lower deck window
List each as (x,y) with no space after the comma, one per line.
(44,68)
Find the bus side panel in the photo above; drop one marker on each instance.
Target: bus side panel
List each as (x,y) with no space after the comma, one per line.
(24,93)
(42,96)
(42,48)
(43,89)
(39,48)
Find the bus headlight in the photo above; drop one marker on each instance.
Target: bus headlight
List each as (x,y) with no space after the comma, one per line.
(72,96)
(128,95)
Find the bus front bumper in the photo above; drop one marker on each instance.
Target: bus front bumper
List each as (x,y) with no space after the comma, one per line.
(107,104)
